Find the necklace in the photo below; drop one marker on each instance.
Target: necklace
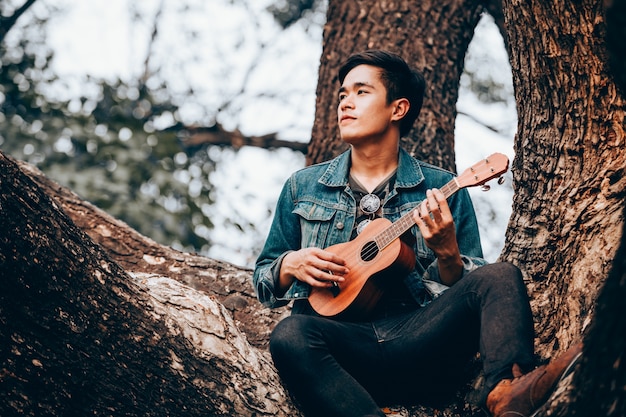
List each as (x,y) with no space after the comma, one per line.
(369,202)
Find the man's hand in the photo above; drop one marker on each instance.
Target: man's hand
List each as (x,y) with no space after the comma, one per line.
(314,266)
(434,219)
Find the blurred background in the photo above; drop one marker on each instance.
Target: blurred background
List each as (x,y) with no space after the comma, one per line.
(147,108)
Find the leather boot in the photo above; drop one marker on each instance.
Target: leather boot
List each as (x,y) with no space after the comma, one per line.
(525,393)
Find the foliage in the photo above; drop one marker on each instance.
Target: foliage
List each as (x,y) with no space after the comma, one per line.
(118,144)
(105,145)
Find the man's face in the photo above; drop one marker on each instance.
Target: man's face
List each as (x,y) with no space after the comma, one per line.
(363,113)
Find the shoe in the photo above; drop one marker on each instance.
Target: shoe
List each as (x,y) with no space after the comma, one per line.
(525,393)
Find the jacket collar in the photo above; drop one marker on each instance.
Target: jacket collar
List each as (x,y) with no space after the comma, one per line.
(409,173)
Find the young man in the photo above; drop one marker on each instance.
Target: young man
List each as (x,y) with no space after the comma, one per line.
(433,319)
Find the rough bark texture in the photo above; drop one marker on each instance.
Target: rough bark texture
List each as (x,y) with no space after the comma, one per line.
(80,335)
(569,164)
(599,386)
(430,35)
(230,285)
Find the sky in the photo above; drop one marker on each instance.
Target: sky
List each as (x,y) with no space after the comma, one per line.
(214,48)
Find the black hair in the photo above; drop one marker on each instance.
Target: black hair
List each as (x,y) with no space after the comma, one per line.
(398,78)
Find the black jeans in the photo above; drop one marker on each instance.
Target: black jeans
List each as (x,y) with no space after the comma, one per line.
(336,368)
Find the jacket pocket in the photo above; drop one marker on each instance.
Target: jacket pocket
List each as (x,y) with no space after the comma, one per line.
(316,221)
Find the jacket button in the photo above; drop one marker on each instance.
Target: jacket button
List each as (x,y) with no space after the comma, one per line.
(340,225)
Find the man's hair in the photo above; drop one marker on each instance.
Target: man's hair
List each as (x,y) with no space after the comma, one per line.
(398,78)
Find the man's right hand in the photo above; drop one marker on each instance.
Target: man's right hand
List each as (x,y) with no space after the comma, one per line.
(313,266)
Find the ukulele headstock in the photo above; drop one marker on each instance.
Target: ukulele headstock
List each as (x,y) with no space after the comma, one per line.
(489,168)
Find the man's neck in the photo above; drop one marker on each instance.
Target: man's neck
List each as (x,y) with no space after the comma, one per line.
(371,165)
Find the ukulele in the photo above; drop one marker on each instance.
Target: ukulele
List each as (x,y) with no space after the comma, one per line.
(377,255)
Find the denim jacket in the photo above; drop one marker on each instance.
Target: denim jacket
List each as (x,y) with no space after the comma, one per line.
(316,208)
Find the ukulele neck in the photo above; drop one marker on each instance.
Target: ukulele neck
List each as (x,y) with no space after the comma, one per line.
(405,222)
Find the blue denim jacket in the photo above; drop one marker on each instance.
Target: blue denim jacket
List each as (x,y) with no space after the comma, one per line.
(316,208)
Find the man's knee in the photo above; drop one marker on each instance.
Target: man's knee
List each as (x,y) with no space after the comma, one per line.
(508,270)
(288,338)
(503,275)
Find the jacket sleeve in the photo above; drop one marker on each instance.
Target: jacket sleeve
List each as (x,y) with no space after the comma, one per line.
(468,238)
(283,237)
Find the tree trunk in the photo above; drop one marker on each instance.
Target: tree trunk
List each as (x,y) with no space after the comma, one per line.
(598,388)
(569,164)
(430,35)
(80,335)
(230,285)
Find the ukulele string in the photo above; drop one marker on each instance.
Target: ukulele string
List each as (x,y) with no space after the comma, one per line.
(400,226)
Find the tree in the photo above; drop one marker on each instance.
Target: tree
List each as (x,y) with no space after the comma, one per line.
(569,163)
(568,174)
(602,377)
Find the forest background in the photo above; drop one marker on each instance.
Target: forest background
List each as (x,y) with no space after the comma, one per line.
(145,106)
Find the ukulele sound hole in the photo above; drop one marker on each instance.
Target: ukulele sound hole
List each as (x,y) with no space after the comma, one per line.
(369,251)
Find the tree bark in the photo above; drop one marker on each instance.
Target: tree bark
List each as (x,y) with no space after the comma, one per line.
(569,162)
(228,284)
(80,335)
(602,374)
(430,35)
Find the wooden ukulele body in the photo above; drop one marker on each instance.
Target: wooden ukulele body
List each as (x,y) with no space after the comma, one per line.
(371,270)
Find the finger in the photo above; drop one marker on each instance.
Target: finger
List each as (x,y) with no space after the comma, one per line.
(313,282)
(433,204)
(423,208)
(326,266)
(331,257)
(324,279)
(425,213)
(334,270)
(442,202)
(420,217)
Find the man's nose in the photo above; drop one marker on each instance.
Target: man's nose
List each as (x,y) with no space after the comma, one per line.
(346,103)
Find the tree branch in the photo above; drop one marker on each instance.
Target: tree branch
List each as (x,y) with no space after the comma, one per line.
(6,23)
(195,136)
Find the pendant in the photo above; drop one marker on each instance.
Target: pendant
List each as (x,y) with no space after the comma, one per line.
(370,203)
(362,225)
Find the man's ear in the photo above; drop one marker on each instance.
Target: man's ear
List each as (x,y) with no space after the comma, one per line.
(400,108)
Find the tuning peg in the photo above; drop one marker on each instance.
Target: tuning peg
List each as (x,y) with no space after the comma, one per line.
(485,187)
(501,180)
